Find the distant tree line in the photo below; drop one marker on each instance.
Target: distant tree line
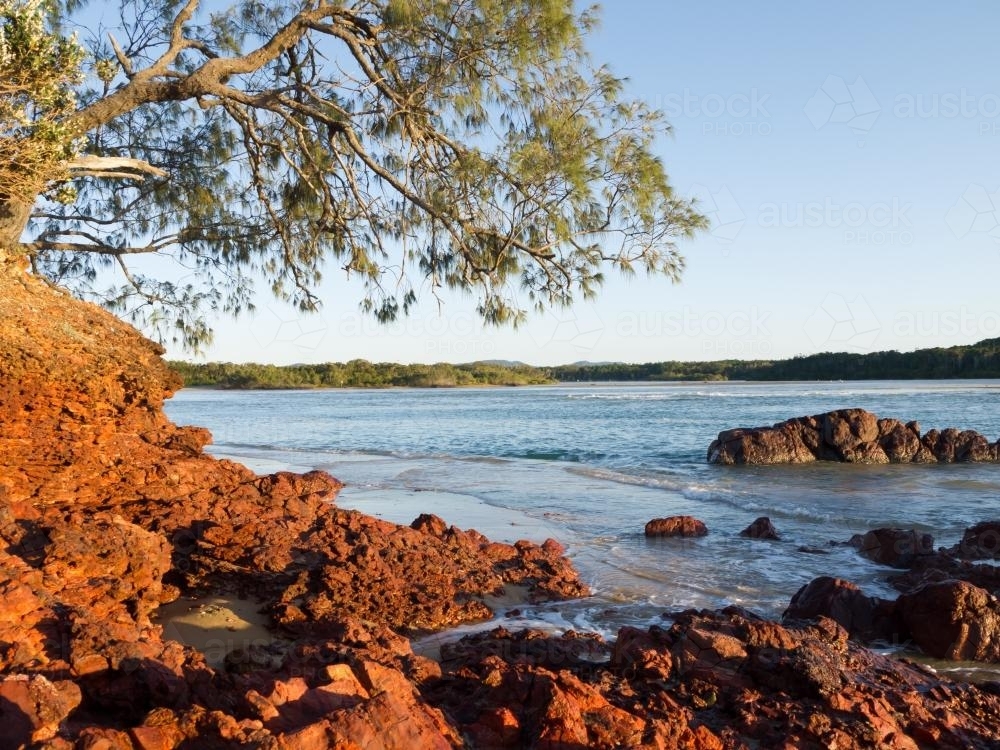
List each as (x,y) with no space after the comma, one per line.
(980,360)
(358,373)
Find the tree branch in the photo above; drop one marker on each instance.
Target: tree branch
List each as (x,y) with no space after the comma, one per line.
(89,165)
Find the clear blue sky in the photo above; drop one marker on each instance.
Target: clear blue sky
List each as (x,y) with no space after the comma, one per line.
(848,155)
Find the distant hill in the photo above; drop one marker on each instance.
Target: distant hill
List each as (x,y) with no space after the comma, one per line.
(980,360)
(508,363)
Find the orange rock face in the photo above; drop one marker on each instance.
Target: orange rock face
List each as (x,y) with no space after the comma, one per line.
(108,510)
(711,680)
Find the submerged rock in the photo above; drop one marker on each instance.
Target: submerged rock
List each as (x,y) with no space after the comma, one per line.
(898,548)
(980,542)
(850,436)
(681,526)
(761,528)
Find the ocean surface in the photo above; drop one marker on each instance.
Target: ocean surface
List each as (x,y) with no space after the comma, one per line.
(589,464)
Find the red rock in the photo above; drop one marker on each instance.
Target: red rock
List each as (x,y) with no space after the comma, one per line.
(865,618)
(162,737)
(848,435)
(430,524)
(642,653)
(783,443)
(389,721)
(944,566)
(756,683)
(33,708)
(683,526)
(953,620)
(318,736)
(496,728)
(108,510)
(94,738)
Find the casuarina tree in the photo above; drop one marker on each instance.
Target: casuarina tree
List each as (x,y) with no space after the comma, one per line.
(421,145)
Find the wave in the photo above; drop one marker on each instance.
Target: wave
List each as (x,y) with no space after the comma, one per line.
(755,391)
(640,480)
(502,456)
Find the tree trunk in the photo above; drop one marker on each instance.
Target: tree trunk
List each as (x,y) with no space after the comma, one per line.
(14,217)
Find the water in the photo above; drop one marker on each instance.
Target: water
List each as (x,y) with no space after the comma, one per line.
(590,464)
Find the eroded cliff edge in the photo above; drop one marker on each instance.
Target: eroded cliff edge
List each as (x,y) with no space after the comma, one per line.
(108,510)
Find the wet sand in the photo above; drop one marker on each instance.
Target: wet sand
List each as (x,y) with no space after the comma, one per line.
(215,625)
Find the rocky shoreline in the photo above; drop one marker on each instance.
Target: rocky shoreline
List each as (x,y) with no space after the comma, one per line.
(108,512)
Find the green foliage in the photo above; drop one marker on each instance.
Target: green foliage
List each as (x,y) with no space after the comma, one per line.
(420,145)
(980,360)
(357,373)
(39,68)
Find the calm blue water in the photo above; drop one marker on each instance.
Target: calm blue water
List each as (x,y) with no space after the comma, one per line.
(590,464)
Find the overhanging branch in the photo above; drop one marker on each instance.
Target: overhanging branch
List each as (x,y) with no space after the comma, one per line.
(118,167)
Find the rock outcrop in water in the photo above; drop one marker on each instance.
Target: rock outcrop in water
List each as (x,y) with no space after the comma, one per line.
(898,548)
(947,620)
(947,607)
(676,526)
(850,436)
(761,528)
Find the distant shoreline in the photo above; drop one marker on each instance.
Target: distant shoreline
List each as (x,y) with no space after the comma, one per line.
(979,361)
(584,383)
